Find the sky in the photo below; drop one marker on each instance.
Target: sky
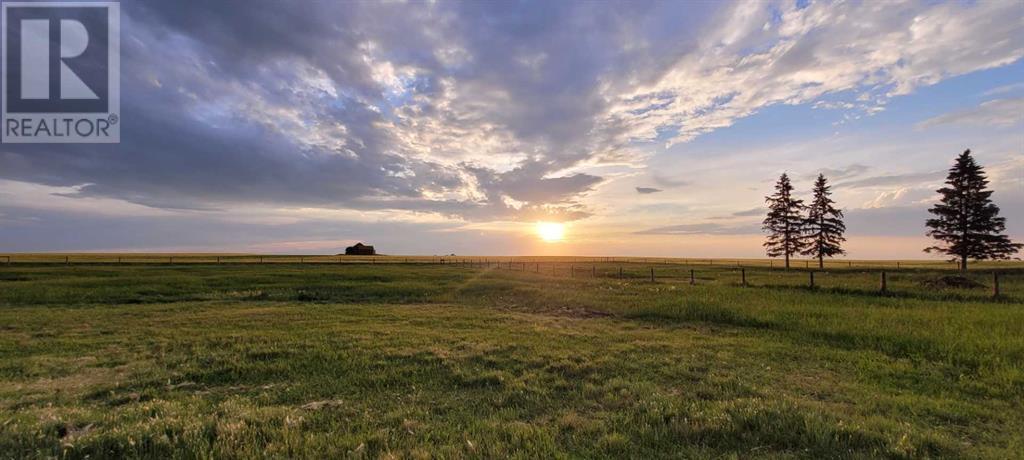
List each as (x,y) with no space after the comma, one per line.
(647,128)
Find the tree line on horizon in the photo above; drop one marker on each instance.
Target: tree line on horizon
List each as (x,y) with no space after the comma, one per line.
(967,225)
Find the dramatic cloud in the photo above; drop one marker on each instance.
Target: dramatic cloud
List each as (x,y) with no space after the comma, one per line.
(489,111)
(762,54)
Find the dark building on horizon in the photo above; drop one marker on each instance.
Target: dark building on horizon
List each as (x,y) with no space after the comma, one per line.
(360,249)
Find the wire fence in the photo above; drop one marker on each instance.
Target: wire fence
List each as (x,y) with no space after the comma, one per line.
(806,264)
(867,279)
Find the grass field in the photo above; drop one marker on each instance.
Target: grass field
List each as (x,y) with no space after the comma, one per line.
(471,360)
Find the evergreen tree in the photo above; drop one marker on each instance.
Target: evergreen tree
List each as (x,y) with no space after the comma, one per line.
(784,222)
(967,223)
(824,227)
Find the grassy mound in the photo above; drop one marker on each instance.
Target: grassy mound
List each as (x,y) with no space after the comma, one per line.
(952,282)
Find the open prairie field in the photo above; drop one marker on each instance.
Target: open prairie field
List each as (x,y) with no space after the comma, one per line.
(535,358)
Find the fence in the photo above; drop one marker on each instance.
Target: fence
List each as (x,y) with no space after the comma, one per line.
(475,260)
(849,281)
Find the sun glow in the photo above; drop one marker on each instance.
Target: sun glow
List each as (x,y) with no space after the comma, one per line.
(551,232)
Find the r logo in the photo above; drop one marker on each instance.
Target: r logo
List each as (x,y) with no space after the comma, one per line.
(35,62)
(61,65)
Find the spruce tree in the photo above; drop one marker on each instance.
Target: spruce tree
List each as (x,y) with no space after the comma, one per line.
(824,226)
(967,223)
(784,222)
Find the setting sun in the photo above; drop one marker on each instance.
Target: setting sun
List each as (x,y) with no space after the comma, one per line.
(551,231)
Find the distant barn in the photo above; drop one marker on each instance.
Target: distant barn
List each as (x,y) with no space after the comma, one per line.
(360,249)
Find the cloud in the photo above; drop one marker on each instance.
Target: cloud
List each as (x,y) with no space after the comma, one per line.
(475,110)
(893,180)
(886,221)
(647,190)
(1004,89)
(702,229)
(750,212)
(668,182)
(998,112)
(47,230)
(846,172)
(901,196)
(761,54)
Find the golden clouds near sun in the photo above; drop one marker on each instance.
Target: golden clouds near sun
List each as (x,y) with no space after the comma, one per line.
(551,232)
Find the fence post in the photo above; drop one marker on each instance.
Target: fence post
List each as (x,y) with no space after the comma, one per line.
(652,274)
(218,259)
(67,260)
(118,259)
(807,264)
(693,280)
(743,277)
(572,271)
(995,284)
(620,272)
(884,286)
(812,279)
(593,271)
(897,265)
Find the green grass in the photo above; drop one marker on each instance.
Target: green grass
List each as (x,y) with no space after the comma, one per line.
(407,360)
